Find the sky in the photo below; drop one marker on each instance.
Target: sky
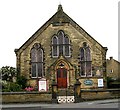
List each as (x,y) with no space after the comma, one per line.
(20,19)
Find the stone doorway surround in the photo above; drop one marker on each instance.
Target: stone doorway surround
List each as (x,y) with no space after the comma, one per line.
(61,64)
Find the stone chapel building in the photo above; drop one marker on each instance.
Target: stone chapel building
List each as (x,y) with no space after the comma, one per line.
(62,51)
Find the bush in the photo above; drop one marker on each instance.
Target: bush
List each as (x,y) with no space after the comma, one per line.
(15,87)
(11,87)
(7,73)
(21,80)
(109,80)
(19,85)
(111,83)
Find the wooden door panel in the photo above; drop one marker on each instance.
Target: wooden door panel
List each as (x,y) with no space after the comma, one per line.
(62,77)
(64,83)
(59,82)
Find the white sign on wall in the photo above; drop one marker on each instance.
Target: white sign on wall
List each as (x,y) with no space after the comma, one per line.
(42,85)
(100,83)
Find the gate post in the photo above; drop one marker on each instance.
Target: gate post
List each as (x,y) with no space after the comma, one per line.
(54,92)
(77,91)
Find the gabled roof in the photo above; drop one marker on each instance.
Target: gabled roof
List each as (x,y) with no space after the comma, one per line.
(112,59)
(59,18)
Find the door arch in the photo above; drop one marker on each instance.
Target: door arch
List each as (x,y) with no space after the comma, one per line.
(62,71)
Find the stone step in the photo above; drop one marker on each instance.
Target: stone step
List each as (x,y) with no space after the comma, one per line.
(65,93)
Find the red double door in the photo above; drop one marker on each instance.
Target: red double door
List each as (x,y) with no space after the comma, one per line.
(62,77)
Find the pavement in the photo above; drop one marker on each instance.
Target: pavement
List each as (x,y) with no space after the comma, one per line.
(95,103)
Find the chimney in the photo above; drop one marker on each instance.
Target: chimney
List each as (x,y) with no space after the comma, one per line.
(111,58)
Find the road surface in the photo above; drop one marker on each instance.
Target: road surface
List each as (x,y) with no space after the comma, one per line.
(111,104)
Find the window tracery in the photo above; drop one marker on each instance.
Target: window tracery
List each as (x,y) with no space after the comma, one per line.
(85,61)
(37,61)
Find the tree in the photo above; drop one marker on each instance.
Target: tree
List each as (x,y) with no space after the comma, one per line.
(8,72)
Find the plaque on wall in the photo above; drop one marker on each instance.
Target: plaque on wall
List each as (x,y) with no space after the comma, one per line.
(88,82)
(100,83)
(42,85)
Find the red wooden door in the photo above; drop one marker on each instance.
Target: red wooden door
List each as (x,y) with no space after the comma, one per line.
(62,77)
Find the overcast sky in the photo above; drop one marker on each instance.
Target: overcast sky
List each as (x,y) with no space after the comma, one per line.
(20,19)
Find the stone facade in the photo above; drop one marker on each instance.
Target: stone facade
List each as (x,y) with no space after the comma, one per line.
(113,68)
(77,35)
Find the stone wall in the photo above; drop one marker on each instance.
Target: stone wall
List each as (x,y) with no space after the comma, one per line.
(22,97)
(100,94)
(46,97)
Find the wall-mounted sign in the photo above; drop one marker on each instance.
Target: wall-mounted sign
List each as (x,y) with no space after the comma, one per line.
(100,83)
(42,85)
(88,82)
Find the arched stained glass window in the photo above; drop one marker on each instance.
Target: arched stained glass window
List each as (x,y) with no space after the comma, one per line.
(82,56)
(37,61)
(67,46)
(88,57)
(60,45)
(60,42)
(54,40)
(33,55)
(82,67)
(85,61)
(60,37)
(55,46)
(67,40)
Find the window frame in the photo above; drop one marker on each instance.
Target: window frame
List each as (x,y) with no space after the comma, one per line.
(85,60)
(56,45)
(37,62)
(63,44)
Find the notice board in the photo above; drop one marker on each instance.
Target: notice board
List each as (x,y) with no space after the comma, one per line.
(42,85)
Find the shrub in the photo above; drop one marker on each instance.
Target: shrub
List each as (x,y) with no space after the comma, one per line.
(21,80)
(11,87)
(8,72)
(109,80)
(111,83)
(15,87)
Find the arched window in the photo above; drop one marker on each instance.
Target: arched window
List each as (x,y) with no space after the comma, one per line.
(37,61)
(88,57)
(60,37)
(67,46)
(82,56)
(88,62)
(60,45)
(85,61)
(60,42)
(54,46)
